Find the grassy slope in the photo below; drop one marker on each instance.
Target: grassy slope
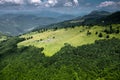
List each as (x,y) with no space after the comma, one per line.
(75,36)
(2,37)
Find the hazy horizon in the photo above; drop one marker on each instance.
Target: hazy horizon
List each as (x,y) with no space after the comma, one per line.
(72,7)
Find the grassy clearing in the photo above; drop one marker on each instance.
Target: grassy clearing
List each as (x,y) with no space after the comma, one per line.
(53,41)
(2,38)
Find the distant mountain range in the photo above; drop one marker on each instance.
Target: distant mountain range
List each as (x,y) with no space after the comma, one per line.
(18,23)
(15,24)
(93,18)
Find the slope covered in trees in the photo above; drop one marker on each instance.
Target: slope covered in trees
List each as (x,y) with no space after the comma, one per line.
(94,18)
(98,61)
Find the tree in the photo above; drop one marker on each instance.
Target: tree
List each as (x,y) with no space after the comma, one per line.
(107,36)
(96,33)
(117,31)
(111,29)
(55,28)
(100,35)
(88,33)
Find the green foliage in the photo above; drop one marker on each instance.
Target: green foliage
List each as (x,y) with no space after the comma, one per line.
(96,33)
(107,36)
(100,35)
(88,33)
(117,31)
(99,61)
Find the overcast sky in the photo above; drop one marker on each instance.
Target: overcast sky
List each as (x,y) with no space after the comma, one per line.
(65,6)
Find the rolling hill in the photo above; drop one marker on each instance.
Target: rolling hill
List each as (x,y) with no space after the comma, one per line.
(93,18)
(73,32)
(16,23)
(97,61)
(67,53)
(54,39)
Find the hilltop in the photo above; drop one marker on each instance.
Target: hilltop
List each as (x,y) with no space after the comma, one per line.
(94,18)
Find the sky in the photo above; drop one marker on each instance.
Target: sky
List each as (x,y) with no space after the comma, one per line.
(63,6)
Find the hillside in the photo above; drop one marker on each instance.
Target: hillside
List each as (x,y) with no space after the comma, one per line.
(98,61)
(93,18)
(64,51)
(15,24)
(53,40)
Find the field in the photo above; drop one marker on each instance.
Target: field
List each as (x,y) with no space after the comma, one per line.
(53,40)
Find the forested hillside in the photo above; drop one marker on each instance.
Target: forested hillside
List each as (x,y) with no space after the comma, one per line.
(59,39)
(98,61)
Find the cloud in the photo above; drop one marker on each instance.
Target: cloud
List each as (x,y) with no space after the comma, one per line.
(51,3)
(20,1)
(42,3)
(35,1)
(68,4)
(76,2)
(108,3)
(11,1)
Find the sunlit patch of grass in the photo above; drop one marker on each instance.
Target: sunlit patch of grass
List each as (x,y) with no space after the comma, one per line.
(53,41)
(2,38)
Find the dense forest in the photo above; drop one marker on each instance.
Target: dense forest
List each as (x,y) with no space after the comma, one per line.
(98,61)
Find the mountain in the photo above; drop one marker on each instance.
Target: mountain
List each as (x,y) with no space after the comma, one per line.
(113,18)
(77,53)
(18,23)
(93,18)
(66,17)
(94,14)
(15,24)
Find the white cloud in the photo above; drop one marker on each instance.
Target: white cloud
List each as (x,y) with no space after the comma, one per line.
(50,3)
(21,1)
(35,1)
(11,1)
(68,4)
(107,3)
(76,2)
(71,3)
(45,3)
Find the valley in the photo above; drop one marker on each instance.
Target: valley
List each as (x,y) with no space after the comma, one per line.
(82,48)
(18,23)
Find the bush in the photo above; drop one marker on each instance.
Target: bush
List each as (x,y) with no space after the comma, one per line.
(117,31)
(96,33)
(100,35)
(88,33)
(107,36)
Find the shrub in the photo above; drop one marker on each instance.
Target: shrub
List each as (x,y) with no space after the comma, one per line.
(41,39)
(117,31)
(96,33)
(88,33)
(107,36)
(53,37)
(100,35)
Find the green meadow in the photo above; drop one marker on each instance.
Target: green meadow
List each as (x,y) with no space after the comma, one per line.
(53,40)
